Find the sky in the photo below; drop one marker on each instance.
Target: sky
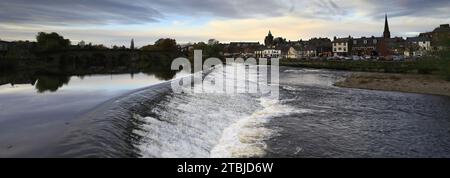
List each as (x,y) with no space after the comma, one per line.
(115,22)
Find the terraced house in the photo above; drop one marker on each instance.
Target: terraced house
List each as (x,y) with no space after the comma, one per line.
(365,46)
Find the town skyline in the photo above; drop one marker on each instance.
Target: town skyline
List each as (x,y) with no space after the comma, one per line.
(113,22)
(127,43)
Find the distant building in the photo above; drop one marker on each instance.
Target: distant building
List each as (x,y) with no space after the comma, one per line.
(394,46)
(423,42)
(244,44)
(308,51)
(417,46)
(4,45)
(412,50)
(315,47)
(365,46)
(341,46)
(294,52)
(241,49)
(268,41)
(284,49)
(436,36)
(132,44)
(320,47)
(388,46)
(268,53)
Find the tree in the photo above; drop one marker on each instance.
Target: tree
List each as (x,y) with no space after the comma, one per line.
(207,50)
(82,44)
(213,42)
(51,41)
(163,44)
(166,44)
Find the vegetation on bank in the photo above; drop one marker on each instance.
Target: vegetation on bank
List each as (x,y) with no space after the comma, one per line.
(437,63)
(52,52)
(163,44)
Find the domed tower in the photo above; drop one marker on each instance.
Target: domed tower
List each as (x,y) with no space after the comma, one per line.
(269,40)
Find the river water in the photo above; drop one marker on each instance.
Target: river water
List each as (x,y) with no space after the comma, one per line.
(311,118)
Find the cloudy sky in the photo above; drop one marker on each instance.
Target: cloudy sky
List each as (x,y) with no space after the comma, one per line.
(117,21)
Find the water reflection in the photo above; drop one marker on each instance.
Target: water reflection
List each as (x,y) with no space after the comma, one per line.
(51,79)
(51,83)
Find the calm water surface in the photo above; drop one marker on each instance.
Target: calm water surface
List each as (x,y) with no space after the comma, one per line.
(34,114)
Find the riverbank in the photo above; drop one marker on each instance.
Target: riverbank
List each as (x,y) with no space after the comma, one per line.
(411,83)
(435,63)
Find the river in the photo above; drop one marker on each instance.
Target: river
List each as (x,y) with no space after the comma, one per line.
(140,116)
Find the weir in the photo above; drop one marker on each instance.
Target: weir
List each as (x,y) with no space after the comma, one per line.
(155,122)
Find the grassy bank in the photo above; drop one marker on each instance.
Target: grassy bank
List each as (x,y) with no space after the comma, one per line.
(411,83)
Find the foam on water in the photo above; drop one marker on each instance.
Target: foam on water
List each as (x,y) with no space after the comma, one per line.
(208,124)
(246,137)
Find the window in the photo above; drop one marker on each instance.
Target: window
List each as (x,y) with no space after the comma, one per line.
(345,49)
(355,42)
(339,49)
(365,41)
(375,41)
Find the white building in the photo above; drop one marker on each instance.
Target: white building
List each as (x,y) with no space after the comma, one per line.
(423,42)
(341,46)
(298,52)
(293,53)
(417,46)
(268,53)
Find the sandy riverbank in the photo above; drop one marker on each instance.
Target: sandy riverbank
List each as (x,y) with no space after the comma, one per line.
(426,84)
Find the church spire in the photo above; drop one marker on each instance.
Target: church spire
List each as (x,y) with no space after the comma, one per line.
(132,44)
(386,33)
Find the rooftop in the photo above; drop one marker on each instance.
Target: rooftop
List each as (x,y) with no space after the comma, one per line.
(443,28)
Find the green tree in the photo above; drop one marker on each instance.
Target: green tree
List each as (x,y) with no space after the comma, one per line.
(51,41)
(207,50)
(163,44)
(166,44)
